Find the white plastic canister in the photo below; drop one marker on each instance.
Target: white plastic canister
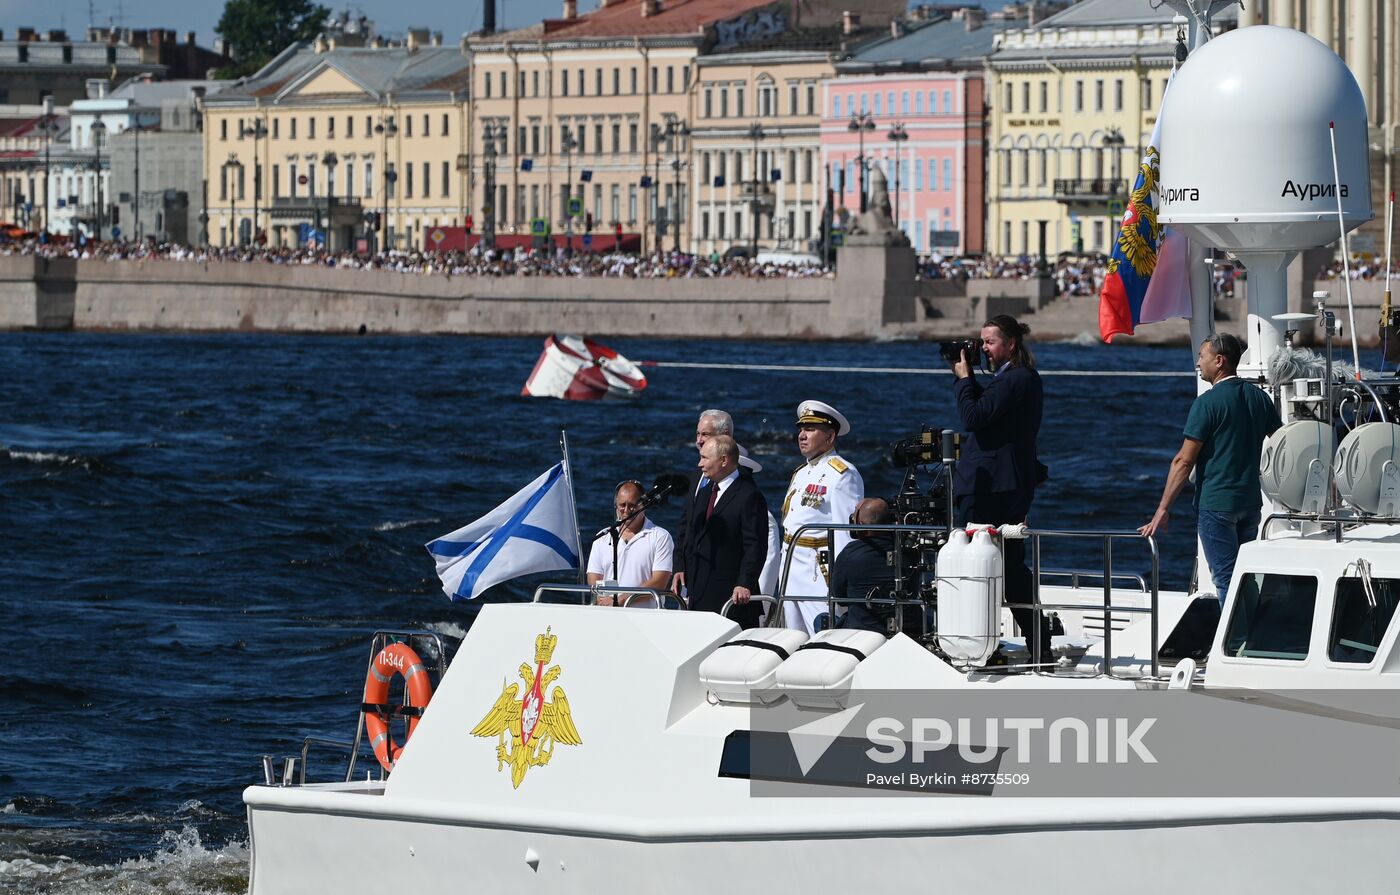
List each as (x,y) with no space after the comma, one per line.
(969,597)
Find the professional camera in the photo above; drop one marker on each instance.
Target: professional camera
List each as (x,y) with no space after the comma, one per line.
(951,351)
(915,504)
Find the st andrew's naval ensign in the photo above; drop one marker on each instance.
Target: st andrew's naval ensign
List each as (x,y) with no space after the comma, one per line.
(535,726)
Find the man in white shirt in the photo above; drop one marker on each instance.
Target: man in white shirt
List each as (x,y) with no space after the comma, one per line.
(644,551)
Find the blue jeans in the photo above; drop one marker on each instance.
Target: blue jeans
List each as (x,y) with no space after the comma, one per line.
(1222,532)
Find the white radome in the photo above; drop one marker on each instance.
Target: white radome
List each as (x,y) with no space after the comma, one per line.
(1246,160)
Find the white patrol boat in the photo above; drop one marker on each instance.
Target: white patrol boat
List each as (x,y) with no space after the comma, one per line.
(574,749)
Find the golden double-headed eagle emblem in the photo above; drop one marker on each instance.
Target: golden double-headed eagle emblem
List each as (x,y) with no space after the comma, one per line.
(534,724)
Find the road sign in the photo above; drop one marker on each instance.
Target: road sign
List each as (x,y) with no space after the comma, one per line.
(645,182)
(575,206)
(588,240)
(301,179)
(1115,208)
(116,232)
(838,237)
(539,227)
(437,236)
(527,164)
(585,176)
(944,239)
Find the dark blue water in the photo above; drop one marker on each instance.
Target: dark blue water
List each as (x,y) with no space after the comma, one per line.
(199,533)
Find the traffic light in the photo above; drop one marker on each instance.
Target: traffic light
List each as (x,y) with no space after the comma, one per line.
(469,225)
(588,222)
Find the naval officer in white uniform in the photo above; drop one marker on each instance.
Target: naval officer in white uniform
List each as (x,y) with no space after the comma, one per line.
(825,488)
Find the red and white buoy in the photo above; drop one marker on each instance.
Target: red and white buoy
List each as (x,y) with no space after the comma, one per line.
(579,369)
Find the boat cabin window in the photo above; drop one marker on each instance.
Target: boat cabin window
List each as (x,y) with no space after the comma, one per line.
(1361,618)
(1272,616)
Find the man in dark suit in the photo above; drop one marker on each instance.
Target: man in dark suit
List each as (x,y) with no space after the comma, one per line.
(998,470)
(726,535)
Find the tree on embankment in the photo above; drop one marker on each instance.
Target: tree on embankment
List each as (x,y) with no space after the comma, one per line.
(257,30)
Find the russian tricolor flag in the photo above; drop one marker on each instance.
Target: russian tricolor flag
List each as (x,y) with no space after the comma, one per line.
(1147,279)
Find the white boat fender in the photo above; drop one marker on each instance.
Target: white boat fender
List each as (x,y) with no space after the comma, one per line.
(970,583)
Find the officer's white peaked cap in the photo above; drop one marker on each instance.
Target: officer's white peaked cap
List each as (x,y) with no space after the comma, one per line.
(822,414)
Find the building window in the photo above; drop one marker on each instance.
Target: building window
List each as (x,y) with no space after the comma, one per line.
(486,86)
(1147,94)
(836,106)
(811,99)
(292,123)
(534,88)
(407,126)
(792,99)
(446,124)
(564,82)
(504,85)
(670,79)
(598,82)
(349,179)
(427,180)
(655,79)
(311,128)
(631,203)
(933,102)
(223,129)
(948,102)
(616,139)
(1044,96)
(904,103)
(704,225)
(878,111)
(918,175)
(1025,96)
(368,191)
(597,139)
(520,85)
(1098,95)
(807,167)
(685,78)
(1079,96)
(1118,94)
(330,127)
(739,101)
(408,181)
(709,102)
(276,181)
(947,174)
(617,81)
(632,138)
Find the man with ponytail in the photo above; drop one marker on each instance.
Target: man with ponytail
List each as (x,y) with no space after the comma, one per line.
(998,470)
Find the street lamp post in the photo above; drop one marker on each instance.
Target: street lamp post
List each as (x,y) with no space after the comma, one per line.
(488,208)
(99,130)
(860,125)
(256,133)
(49,128)
(568,144)
(676,128)
(755,134)
(1114,140)
(898,135)
(236,165)
(330,160)
(386,128)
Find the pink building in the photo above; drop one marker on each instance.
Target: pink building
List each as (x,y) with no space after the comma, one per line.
(926,85)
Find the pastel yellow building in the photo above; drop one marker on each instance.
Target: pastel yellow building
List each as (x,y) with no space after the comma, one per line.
(353,142)
(1073,100)
(598,109)
(757,136)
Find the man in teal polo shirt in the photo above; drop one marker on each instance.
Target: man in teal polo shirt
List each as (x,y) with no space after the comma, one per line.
(1225,433)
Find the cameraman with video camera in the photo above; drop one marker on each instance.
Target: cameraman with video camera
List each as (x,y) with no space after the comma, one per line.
(998,470)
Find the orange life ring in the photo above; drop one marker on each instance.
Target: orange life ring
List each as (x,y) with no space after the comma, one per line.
(396,658)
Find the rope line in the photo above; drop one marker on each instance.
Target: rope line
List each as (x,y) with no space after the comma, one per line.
(797,368)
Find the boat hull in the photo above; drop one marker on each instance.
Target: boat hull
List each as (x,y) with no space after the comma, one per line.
(296,851)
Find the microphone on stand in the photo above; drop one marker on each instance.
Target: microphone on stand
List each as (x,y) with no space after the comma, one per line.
(664,485)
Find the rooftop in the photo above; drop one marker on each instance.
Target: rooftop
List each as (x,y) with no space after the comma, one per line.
(376,71)
(955,39)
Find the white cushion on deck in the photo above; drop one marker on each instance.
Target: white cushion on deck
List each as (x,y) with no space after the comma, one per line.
(741,671)
(819,674)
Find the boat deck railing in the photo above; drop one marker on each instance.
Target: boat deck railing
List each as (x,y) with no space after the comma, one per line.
(1149,585)
(591,593)
(380,640)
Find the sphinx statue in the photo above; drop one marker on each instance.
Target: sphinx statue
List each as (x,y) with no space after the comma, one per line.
(875,226)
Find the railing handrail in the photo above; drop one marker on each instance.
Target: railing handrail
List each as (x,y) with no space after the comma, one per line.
(1033,535)
(756,598)
(378,642)
(593,591)
(1075,574)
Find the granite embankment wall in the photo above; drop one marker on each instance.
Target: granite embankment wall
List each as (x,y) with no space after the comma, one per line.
(865,301)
